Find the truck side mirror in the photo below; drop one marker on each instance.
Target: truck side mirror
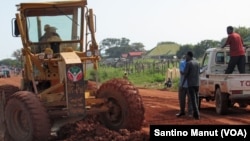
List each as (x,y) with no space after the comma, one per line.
(203,69)
(15,29)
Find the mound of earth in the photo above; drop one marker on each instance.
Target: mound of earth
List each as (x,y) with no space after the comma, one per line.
(90,129)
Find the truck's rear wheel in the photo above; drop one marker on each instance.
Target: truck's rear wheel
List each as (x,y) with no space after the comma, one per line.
(126,110)
(221,102)
(26,118)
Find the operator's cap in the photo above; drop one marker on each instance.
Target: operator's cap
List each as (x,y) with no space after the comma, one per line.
(46,27)
(53,29)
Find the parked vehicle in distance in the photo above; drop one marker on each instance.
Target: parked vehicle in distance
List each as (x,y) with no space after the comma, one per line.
(4,73)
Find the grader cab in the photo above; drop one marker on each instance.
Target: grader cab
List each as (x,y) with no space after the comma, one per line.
(59,47)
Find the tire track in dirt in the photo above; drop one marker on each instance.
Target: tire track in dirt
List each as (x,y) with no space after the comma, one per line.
(223,119)
(161,101)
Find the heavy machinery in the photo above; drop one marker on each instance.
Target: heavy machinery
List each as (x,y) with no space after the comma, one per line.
(54,90)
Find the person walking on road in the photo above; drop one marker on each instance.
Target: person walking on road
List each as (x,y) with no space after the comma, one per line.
(237,51)
(191,75)
(182,93)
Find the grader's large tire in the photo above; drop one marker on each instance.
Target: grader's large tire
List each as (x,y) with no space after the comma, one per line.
(221,102)
(8,90)
(26,118)
(126,110)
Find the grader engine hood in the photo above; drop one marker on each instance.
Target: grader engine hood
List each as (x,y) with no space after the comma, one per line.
(71,70)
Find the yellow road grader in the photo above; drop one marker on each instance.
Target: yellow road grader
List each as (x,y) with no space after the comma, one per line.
(59,46)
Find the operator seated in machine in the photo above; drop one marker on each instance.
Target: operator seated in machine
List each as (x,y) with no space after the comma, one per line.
(49,31)
(54,40)
(46,33)
(51,36)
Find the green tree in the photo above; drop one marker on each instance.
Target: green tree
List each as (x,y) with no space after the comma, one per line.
(245,34)
(137,47)
(116,52)
(124,42)
(201,47)
(113,42)
(10,62)
(184,49)
(114,47)
(243,31)
(17,54)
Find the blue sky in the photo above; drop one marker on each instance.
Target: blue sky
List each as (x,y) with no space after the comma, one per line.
(148,21)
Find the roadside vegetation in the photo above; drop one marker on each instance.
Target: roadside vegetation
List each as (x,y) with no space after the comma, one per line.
(147,79)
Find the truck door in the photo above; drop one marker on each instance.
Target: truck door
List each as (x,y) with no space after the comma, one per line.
(203,75)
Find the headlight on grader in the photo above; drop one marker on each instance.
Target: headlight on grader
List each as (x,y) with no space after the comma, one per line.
(49,56)
(88,53)
(41,55)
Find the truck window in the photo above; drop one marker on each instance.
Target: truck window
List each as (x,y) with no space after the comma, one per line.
(220,58)
(205,60)
(204,63)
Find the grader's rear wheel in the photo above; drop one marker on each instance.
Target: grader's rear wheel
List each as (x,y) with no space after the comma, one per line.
(26,118)
(126,110)
(8,90)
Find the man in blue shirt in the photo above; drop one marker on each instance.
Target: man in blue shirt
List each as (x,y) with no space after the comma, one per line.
(183,91)
(191,74)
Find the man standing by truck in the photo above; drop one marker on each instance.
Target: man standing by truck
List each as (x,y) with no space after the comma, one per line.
(183,91)
(191,74)
(237,52)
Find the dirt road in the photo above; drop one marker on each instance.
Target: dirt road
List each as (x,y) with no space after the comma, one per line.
(161,107)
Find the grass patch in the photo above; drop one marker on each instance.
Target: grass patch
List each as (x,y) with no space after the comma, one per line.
(147,79)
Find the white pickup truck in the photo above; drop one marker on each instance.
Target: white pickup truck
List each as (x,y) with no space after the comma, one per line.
(225,89)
